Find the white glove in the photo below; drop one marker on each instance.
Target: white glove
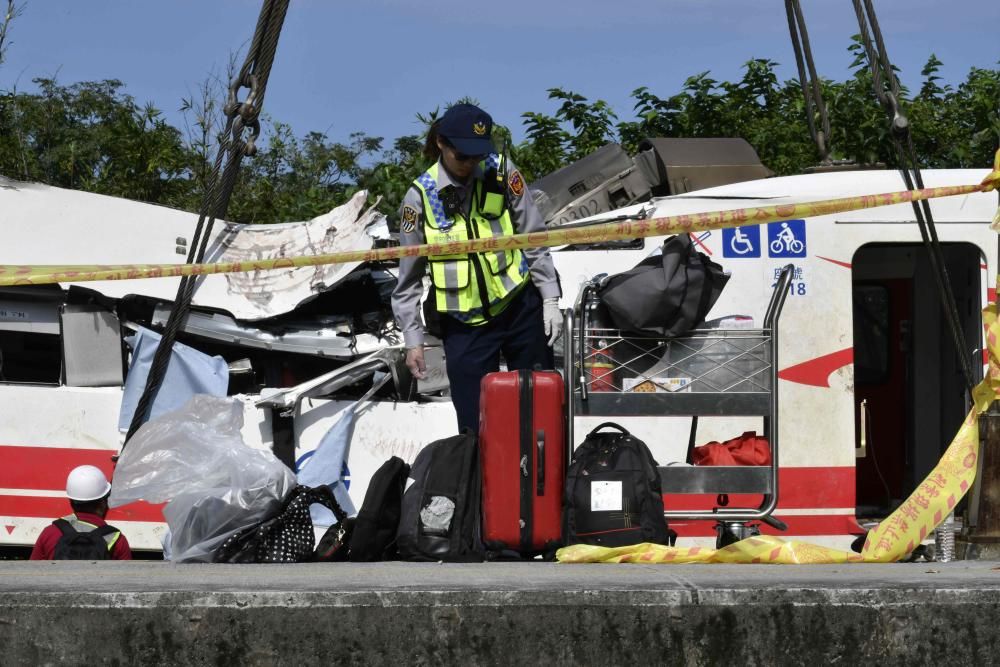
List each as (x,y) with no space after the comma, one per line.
(553,318)
(415,362)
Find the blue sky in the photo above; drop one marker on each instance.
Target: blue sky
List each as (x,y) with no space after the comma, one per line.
(371,65)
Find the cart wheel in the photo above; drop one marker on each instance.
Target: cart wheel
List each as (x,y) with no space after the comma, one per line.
(730,532)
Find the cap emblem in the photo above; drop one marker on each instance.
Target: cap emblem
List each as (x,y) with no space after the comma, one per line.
(479,128)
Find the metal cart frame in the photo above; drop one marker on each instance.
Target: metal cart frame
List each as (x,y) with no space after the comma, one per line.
(740,378)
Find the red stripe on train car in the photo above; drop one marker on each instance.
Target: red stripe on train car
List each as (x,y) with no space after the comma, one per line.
(798,488)
(816,372)
(42,507)
(47,467)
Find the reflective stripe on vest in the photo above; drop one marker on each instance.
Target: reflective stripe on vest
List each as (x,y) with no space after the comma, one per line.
(84,527)
(456,289)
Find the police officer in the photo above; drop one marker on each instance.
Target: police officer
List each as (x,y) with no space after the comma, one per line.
(502,301)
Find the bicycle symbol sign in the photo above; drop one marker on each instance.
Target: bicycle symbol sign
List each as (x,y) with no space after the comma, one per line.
(786,239)
(741,241)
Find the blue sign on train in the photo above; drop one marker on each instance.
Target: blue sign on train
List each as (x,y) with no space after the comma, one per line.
(786,239)
(741,241)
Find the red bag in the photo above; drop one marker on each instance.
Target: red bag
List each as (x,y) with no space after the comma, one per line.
(747,450)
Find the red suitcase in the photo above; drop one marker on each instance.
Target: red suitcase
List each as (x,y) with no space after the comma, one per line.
(523,458)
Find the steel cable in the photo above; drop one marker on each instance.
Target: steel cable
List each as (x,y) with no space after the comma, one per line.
(232,148)
(811,88)
(887,91)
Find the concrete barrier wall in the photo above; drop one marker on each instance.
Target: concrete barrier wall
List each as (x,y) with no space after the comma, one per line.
(497,614)
(486,628)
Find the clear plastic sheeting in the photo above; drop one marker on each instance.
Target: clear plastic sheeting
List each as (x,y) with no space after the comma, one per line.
(195,460)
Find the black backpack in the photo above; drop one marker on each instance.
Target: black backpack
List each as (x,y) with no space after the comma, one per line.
(439,515)
(89,545)
(613,496)
(374,534)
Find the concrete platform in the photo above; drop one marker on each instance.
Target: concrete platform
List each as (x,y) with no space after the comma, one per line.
(498,614)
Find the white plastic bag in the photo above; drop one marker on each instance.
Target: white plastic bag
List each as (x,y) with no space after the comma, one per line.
(194,459)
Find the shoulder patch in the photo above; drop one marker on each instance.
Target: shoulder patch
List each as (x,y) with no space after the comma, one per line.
(516,183)
(409,219)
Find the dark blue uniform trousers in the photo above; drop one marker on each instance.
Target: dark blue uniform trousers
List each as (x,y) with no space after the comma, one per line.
(473,351)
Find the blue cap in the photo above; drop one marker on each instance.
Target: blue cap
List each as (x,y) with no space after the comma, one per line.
(468,129)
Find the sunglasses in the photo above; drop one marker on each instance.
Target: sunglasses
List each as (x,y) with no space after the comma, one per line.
(462,157)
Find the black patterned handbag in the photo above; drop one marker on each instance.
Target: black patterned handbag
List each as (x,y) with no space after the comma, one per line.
(286,537)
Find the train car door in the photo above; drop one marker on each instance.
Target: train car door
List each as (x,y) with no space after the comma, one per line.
(910,394)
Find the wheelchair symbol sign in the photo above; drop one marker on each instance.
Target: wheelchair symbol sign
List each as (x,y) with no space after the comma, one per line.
(786,239)
(741,241)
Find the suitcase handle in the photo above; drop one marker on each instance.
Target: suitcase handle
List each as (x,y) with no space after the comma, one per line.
(540,467)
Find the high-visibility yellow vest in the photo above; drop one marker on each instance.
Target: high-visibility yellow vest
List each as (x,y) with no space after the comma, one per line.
(463,282)
(85,527)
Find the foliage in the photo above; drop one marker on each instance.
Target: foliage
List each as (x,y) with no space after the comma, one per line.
(93,136)
(298,179)
(12,11)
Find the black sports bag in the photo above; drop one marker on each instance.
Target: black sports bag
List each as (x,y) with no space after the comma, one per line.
(664,295)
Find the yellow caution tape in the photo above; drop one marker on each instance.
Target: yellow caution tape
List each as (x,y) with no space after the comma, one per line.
(760,549)
(992,182)
(894,538)
(611,231)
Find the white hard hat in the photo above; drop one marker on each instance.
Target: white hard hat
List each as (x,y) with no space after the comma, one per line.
(87,483)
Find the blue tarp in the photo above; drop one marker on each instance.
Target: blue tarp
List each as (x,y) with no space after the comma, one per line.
(326,465)
(190,372)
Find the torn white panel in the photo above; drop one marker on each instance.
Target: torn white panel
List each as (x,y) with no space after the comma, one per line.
(46,225)
(260,294)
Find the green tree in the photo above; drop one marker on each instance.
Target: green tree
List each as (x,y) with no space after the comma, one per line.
(298,179)
(578,128)
(92,136)
(656,117)
(545,149)
(592,122)
(12,11)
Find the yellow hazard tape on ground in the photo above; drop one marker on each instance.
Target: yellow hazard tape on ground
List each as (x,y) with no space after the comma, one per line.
(611,231)
(894,537)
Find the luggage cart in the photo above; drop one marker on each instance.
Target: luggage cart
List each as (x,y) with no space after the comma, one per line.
(707,372)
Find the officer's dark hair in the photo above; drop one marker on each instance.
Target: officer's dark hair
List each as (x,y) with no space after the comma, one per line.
(431,150)
(89,506)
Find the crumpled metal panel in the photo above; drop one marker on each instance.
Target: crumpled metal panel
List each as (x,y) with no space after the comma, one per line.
(48,225)
(261,294)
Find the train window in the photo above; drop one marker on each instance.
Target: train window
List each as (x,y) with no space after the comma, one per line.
(29,341)
(871,334)
(28,357)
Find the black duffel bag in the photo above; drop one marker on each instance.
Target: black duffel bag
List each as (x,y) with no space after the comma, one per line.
(665,295)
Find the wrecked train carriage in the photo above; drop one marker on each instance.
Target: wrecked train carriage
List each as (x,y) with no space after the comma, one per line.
(300,344)
(867,372)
